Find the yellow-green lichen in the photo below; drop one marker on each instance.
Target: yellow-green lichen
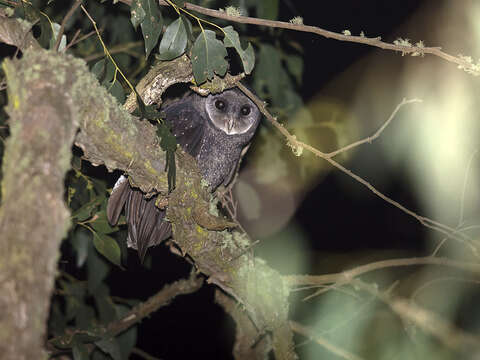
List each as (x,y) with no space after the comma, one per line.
(200,231)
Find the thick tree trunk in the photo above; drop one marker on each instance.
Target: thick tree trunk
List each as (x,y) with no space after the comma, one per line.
(33,216)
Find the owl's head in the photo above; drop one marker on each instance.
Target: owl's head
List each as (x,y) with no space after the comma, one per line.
(232,112)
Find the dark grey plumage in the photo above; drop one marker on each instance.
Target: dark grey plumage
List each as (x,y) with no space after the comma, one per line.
(214,130)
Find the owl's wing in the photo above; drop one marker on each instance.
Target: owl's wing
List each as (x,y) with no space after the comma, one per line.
(146,225)
(188,126)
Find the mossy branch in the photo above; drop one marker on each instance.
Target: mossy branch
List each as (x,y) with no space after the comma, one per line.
(33,215)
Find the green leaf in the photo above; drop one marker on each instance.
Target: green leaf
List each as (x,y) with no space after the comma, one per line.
(174,41)
(208,57)
(97,269)
(109,74)
(295,66)
(53,39)
(149,112)
(57,321)
(137,13)
(74,299)
(128,338)
(247,56)
(151,25)
(116,89)
(189,29)
(80,351)
(101,225)
(108,247)
(271,75)
(80,243)
(110,346)
(85,211)
(168,143)
(99,69)
(104,305)
(110,81)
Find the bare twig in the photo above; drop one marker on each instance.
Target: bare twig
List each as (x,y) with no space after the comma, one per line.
(75,36)
(142,310)
(349,275)
(143,354)
(462,202)
(84,37)
(426,320)
(115,50)
(377,133)
(439,280)
(464,190)
(310,333)
(64,21)
(162,298)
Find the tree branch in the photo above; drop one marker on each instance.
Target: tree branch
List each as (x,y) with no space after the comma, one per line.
(310,333)
(160,299)
(349,275)
(451,336)
(33,215)
(64,21)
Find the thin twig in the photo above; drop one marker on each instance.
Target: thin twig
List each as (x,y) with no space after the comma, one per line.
(442,279)
(429,322)
(310,333)
(143,354)
(75,36)
(465,183)
(164,297)
(377,133)
(84,37)
(64,21)
(462,202)
(114,50)
(349,275)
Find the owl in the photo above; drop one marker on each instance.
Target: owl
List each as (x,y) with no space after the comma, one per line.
(213,129)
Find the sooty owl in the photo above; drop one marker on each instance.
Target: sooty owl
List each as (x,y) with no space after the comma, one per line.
(214,130)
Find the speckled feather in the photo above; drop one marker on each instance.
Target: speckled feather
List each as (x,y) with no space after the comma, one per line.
(199,126)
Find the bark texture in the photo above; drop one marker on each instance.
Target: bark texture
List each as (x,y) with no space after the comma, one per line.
(33,216)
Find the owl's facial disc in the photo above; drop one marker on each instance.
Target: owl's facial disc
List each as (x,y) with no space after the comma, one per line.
(232,112)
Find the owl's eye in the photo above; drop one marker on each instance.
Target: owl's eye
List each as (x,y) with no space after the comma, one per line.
(245,110)
(220,104)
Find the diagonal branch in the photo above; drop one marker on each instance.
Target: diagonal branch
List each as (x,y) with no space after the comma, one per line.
(403,46)
(334,349)
(64,22)
(349,275)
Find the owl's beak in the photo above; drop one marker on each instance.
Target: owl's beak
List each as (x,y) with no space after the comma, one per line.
(230,124)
